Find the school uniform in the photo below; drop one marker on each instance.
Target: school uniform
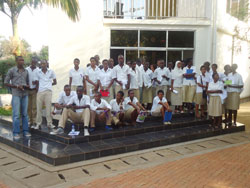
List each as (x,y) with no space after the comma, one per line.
(105,78)
(116,109)
(77,116)
(177,76)
(215,100)
(121,74)
(93,76)
(135,80)
(156,107)
(189,85)
(77,78)
(32,95)
(44,95)
(159,72)
(128,109)
(147,92)
(168,94)
(233,94)
(63,99)
(199,90)
(96,114)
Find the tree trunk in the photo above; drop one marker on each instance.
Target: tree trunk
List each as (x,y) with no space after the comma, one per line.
(16,40)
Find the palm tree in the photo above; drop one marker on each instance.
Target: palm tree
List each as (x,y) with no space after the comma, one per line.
(12,9)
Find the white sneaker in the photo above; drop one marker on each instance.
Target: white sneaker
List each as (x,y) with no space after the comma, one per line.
(86,132)
(51,126)
(57,131)
(35,127)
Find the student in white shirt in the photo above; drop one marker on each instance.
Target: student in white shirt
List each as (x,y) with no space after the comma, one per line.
(215,103)
(147,92)
(32,70)
(208,70)
(76,110)
(132,107)
(76,76)
(176,87)
(117,111)
(45,79)
(170,67)
(201,90)
(63,100)
(92,73)
(135,79)
(105,81)
(100,111)
(214,70)
(161,76)
(233,94)
(111,66)
(160,106)
(121,76)
(189,85)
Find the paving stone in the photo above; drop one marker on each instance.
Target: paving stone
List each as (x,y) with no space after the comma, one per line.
(151,156)
(134,160)
(19,165)
(26,172)
(72,174)
(195,147)
(116,165)
(207,144)
(8,159)
(219,143)
(96,169)
(168,153)
(43,180)
(181,149)
(231,140)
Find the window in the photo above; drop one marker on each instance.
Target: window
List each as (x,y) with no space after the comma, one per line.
(153,56)
(128,38)
(238,9)
(153,38)
(181,39)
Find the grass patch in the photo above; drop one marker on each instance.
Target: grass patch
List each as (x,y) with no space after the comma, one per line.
(5,112)
(4,91)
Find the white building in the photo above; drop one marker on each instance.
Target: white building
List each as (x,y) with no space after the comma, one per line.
(169,29)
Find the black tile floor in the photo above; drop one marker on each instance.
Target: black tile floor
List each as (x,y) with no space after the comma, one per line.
(54,151)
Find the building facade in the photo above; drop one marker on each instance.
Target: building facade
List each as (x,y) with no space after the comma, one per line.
(206,30)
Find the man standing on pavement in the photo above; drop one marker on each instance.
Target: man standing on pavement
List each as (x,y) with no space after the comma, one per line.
(45,78)
(32,70)
(17,79)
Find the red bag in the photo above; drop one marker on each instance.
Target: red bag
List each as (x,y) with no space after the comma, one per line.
(104,93)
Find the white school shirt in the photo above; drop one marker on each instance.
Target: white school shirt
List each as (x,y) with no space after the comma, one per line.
(147,77)
(77,76)
(187,82)
(159,72)
(64,99)
(169,76)
(156,103)
(85,100)
(215,86)
(94,105)
(205,79)
(135,78)
(45,79)
(220,76)
(178,79)
(141,69)
(32,76)
(236,80)
(121,73)
(115,106)
(127,100)
(105,77)
(92,74)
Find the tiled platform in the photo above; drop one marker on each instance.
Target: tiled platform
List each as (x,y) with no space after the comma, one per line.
(63,149)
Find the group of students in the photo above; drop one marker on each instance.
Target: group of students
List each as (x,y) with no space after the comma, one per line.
(118,94)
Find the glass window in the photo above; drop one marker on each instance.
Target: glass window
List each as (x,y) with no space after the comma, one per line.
(126,38)
(184,39)
(153,39)
(153,56)
(188,54)
(114,54)
(174,56)
(131,55)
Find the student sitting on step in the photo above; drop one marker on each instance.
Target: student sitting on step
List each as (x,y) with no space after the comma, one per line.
(100,111)
(161,108)
(117,112)
(132,107)
(63,100)
(77,110)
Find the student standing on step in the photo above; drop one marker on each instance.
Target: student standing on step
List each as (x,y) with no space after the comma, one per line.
(77,110)
(45,79)
(160,106)
(117,111)
(105,81)
(121,76)
(100,111)
(201,90)
(215,100)
(92,73)
(76,76)
(170,67)
(32,70)
(189,85)
(135,79)
(176,87)
(233,91)
(17,79)
(132,107)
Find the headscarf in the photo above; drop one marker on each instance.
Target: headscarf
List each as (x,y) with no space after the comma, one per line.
(177,72)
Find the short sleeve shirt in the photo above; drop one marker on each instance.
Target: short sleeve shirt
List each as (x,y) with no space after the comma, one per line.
(77,76)
(45,79)
(94,105)
(189,81)
(85,100)
(64,99)
(127,100)
(156,103)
